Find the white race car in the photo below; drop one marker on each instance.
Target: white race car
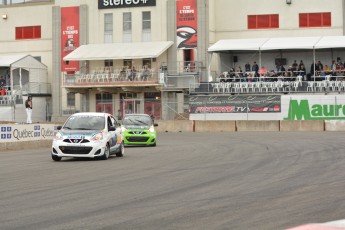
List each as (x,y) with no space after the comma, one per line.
(88,135)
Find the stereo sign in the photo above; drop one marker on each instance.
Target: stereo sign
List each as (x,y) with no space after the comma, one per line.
(107,4)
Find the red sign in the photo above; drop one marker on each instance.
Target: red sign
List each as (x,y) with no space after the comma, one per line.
(69,36)
(186,22)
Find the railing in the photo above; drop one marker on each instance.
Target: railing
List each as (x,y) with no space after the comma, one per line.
(181,68)
(275,87)
(181,82)
(34,88)
(109,78)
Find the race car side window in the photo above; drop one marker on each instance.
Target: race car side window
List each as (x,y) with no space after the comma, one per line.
(114,122)
(110,123)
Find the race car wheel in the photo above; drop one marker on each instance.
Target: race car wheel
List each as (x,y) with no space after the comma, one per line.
(56,158)
(106,154)
(121,150)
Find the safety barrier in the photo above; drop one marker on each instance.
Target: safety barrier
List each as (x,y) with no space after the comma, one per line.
(17,137)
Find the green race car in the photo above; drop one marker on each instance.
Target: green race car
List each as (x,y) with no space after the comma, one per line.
(138,129)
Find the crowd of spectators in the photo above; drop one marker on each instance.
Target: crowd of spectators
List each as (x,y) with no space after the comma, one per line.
(252,73)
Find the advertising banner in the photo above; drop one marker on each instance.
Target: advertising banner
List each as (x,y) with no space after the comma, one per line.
(186,22)
(108,4)
(326,107)
(268,107)
(235,104)
(69,36)
(26,132)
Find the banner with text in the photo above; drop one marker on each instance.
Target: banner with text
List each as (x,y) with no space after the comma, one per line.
(186,22)
(69,36)
(27,132)
(235,104)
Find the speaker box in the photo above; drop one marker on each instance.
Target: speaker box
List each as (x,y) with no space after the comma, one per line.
(235,59)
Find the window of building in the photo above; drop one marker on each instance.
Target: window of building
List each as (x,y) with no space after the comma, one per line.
(127,63)
(71,99)
(104,103)
(266,21)
(146,35)
(147,62)
(108,63)
(127,27)
(38,58)
(108,28)
(28,32)
(315,19)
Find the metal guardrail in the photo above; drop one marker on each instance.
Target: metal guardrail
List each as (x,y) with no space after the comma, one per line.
(278,87)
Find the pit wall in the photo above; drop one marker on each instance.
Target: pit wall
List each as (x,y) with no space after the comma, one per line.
(24,136)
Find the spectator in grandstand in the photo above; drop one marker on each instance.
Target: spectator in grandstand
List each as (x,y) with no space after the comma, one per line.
(239,74)
(2,91)
(334,67)
(123,74)
(8,81)
(319,66)
(294,68)
(247,67)
(263,73)
(255,68)
(280,70)
(250,77)
(2,81)
(146,73)
(302,71)
(300,64)
(132,74)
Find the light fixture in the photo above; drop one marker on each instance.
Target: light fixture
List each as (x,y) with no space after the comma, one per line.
(288,2)
(4,16)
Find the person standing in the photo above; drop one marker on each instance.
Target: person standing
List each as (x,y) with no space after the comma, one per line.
(247,67)
(28,106)
(255,68)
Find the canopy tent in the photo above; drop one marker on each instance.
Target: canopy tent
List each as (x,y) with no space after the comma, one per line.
(281,43)
(115,51)
(321,42)
(250,44)
(24,70)
(290,43)
(327,42)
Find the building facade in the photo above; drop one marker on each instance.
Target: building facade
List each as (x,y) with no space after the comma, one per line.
(91,47)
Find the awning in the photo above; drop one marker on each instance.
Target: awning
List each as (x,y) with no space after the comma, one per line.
(238,44)
(282,43)
(290,43)
(328,42)
(7,61)
(115,51)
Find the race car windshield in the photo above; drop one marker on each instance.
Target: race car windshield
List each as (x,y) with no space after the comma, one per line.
(85,123)
(137,120)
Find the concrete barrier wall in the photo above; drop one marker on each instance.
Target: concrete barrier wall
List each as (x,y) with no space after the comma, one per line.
(334,125)
(175,126)
(23,145)
(215,126)
(304,125)
(206,126)
(257,126)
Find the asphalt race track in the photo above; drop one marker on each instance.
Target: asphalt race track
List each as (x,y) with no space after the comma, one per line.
(240,180)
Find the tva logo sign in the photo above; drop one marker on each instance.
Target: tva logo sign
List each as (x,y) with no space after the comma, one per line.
(107,4)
